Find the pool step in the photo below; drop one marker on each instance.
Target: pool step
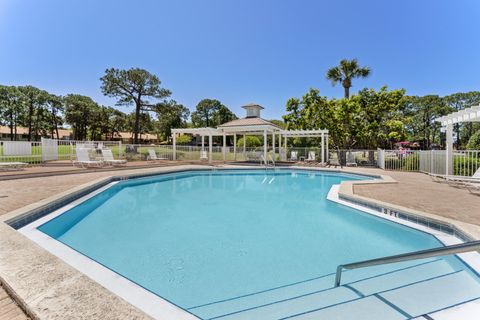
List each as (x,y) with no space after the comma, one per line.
(410,301)
(318,293)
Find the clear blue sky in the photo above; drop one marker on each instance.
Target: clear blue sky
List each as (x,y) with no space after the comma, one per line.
(241,51)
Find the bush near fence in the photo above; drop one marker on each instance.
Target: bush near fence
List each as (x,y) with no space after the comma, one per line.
(465,165)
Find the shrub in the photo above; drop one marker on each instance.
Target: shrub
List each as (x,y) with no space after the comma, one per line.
(252,141)
(184,139)
(474,141)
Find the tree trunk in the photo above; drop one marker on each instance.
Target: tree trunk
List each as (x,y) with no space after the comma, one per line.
(30,116)
(347,92)
(136,129)
(11,126)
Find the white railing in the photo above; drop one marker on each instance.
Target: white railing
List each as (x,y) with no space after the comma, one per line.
(402,160)
(38,152)
(466,162)
(21,151)
(432,161)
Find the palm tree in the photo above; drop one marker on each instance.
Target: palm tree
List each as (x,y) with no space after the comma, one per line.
(345,72)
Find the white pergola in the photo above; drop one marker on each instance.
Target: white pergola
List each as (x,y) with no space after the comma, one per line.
(471,114)
(244,130)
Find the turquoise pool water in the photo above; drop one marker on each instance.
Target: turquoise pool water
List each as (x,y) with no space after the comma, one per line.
(198,237)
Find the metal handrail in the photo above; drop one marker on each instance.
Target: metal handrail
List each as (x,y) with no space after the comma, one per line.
(266,161)
(443,251)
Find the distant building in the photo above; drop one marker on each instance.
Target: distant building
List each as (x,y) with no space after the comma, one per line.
(67,134)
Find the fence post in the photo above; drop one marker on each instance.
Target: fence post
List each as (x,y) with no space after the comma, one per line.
(381,158)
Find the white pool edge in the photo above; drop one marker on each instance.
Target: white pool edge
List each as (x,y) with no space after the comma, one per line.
(131,292)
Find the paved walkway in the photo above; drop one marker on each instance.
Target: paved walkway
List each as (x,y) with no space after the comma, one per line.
(9,310)
(419,192)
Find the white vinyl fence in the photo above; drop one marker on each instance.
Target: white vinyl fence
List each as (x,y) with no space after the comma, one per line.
(21,151)
(433,161)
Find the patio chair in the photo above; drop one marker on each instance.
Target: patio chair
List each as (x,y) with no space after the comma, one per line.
(294,156)
(152,156)
(311,157)
(108,158)
(333,162)
(351,160)
(83,159)
(203,155)
(4,166)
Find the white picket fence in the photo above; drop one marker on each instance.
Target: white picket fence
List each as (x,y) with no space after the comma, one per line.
(465,162)
(38,152)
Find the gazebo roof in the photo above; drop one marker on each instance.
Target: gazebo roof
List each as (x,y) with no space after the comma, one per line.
(248,122)
(471,114)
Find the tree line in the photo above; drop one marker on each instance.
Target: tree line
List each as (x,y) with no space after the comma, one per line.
(379,118)
(367,119)
(43,113)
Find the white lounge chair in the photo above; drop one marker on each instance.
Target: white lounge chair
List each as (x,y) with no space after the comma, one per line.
(311,157)
(109,159)
(83,159)
(294,156)
(12,165)
(203,155)
(351,160)
(152,156)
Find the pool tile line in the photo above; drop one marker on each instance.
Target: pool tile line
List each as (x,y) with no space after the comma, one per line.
(392,305)
(421,220)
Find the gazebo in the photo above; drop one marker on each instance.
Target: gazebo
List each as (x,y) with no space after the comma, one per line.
(471,114)
(252,124)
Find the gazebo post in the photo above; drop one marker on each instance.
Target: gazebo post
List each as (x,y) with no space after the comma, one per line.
(273,144)
(449,150)
(279,146)
(224,150)
(210,142)
(265,146)
(323,148)
(244,147)
(174,136)
(235,146)
(326,145)
(203,142)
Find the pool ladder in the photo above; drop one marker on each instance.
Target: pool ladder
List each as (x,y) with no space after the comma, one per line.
(267,162)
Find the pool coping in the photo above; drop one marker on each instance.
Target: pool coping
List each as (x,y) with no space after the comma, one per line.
(19,285)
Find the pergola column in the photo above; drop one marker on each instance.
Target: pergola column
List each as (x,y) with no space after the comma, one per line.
(210,142)
(449,150)
(203,142)
(224,147)
(323,148)
(326,145)
(244,147)
(280,147)
(265,146)
(273,144)
(174,136)
(235,146)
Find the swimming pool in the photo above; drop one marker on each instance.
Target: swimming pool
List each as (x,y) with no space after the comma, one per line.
(200,238)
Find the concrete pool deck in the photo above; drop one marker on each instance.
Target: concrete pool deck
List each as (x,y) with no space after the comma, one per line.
(49,288)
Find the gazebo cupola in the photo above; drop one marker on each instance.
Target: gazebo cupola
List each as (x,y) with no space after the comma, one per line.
(253,110)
